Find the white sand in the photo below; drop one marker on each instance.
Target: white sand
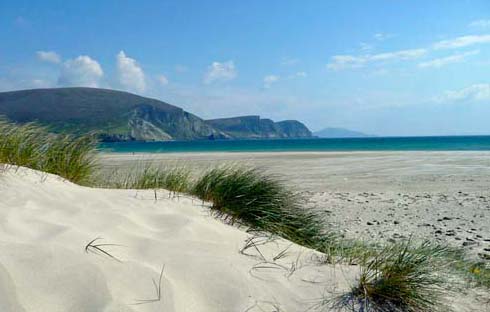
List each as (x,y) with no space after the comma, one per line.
(45,224)
(344,171)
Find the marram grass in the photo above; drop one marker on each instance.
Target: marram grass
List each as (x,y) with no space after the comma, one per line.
(402,277)
(31,145)
(251,197)
(148,176)
(21,145)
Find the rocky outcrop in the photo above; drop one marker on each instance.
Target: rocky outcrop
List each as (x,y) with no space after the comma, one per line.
(148,123)
(294,129)
(258,128)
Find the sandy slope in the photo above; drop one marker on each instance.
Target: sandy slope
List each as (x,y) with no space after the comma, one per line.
(45,224)
(444,196)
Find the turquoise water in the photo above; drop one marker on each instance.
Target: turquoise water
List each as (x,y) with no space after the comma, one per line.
(446,143)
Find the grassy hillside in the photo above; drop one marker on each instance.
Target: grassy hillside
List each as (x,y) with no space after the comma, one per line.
(122,116)
(116,114)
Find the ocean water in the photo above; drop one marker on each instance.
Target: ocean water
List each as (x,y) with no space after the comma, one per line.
(436,143)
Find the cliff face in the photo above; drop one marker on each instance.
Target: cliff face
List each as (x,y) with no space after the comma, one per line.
(255,127)
(122,116)
(151,124)
(294,129)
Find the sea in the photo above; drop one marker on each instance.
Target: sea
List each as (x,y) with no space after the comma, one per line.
(432,143)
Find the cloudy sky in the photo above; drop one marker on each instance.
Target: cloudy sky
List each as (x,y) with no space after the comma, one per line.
(383,67)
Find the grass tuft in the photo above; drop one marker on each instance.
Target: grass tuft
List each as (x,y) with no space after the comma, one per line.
(31,145)
(21,145)
(71,157)
(401,277)
(149,176)
(260,201)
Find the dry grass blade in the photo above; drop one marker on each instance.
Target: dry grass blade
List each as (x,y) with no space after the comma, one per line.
(281,254)
(158,291)
(96,248)
(264,306)
(267,266)
(254,242)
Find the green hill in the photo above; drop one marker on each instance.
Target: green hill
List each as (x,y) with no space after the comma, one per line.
(117,115)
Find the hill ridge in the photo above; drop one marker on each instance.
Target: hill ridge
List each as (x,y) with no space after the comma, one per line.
(124,116)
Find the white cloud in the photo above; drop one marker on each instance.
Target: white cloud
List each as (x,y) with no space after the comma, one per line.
(49,56)
(476,92)
(399,55)
(482,23)
(269,80)
(81,71)
(382,36)
(461,42)
(130,74)
(162,79)
(220,72)
(339,62)
(349,61)
(440,62)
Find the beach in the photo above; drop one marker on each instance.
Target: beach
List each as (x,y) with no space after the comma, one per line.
(443,196)
(245,156)
(76,248)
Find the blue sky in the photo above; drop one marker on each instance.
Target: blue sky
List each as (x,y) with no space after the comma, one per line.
(382,67)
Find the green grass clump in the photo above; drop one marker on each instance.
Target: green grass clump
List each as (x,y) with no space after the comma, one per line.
(21,145)
(31,145)
(175,179)
(401,277)
(70,157)
(260,201)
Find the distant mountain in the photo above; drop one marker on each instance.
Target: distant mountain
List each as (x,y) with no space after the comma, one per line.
(118,116)
(254,127)
(340,133)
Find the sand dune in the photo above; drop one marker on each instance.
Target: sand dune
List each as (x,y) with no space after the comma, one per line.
(46,223)
(163,254)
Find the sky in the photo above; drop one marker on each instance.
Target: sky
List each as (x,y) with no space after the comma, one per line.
(390,68)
